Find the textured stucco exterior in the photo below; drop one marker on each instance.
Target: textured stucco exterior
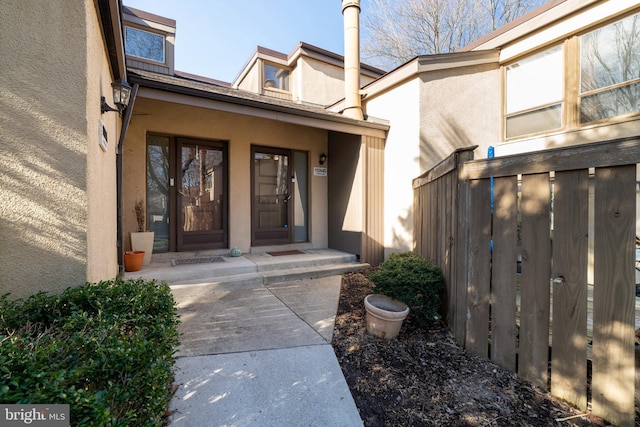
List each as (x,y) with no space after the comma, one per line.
(174,118)
(251,80)
(431,115)
(320,82)
(49,154)
(101,164)
(458,108)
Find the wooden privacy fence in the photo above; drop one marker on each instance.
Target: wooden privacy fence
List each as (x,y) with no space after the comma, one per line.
(517,238)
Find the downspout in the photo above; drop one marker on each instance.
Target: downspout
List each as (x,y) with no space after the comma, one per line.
(351,13)
(119,152)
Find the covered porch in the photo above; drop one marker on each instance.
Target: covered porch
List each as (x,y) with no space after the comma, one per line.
(216,168)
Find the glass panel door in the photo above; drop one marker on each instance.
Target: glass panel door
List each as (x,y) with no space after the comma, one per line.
(271,207)
(158,190)
(301,186)
(201,195)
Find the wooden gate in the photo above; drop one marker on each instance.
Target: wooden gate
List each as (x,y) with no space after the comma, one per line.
(538,253)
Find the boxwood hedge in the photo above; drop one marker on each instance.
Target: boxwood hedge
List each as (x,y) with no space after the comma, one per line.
(105,349)
(408,277)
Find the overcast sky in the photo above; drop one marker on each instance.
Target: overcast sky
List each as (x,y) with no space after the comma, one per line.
(215,38)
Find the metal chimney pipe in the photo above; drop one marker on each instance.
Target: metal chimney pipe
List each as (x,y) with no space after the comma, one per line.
(351,13)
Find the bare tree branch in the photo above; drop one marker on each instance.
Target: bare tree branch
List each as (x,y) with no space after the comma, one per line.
(395,31)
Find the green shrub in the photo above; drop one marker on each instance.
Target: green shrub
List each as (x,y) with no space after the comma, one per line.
(105,349)
(410,278)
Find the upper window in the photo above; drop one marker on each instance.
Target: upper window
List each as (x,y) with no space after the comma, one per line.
(610,71)
(534,88)
(144,44)
(276,77)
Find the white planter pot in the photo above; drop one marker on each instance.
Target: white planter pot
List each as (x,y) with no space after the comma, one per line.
(143,241)
(384,315)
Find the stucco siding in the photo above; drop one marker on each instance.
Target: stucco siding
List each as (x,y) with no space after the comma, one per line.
(251,81)
(322,83)
(43,150)
(241,132)
(102,258)
(401,106)
(459,108)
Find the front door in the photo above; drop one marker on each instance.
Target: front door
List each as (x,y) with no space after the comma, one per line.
(187,193)
(272,204)
(200,195)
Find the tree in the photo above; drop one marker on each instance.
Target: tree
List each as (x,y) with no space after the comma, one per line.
(396,31)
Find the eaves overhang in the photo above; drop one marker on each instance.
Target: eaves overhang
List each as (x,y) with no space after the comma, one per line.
(424,64)
(111,23)
(238,101)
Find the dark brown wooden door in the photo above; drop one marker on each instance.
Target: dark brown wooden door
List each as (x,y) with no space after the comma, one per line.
(271,196)
(201,193)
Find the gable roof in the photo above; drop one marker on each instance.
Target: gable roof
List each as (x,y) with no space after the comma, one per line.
(302,49)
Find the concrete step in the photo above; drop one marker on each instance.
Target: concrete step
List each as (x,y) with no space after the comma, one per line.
(190,290)
(311,272)
(254,270)
(321,258)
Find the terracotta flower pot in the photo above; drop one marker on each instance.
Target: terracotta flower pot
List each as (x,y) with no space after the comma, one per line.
(133,260)
(384,315)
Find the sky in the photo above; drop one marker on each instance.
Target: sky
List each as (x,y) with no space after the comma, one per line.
(215,38)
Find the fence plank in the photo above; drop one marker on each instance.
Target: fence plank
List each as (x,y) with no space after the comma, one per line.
(614,291)
(503,278)
(570,248)
(448,210)
(460,265)
(479,271)
(533,361)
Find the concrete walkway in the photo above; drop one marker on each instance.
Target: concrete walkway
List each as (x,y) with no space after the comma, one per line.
(262,357)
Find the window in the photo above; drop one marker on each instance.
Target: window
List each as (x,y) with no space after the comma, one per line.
(534,91)
(144,44)
(610,71)
(276,77)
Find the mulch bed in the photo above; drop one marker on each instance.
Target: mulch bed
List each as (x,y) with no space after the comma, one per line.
(423,378)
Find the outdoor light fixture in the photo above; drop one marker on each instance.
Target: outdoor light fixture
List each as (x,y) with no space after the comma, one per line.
(121,94)
(322,159)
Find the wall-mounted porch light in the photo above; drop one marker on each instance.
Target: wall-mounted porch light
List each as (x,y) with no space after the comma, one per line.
(121,95)
(322,159)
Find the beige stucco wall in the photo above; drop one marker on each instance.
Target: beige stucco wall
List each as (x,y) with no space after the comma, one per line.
(431,115)
(319,82)
(176,119)
(401,107)
(459,108)
(102,252)
(46,142)
(251,80)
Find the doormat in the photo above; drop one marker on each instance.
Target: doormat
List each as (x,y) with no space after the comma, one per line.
(294,252)
(199,260)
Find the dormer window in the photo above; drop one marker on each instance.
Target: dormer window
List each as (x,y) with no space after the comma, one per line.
(276,77)
(144,44)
